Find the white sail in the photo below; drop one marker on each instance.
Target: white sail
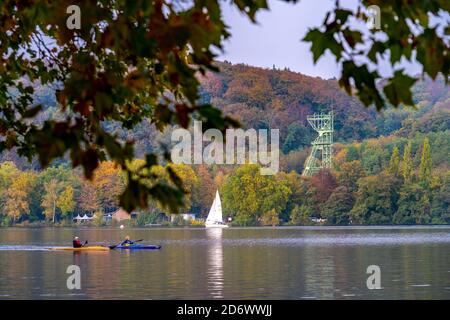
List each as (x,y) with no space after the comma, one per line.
(215,213)
(214,218)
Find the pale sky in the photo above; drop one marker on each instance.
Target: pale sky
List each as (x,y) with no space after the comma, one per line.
(276,39)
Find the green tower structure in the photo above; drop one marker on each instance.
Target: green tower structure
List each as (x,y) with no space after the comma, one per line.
(322,146)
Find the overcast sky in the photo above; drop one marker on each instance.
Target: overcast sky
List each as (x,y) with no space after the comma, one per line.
(276,39)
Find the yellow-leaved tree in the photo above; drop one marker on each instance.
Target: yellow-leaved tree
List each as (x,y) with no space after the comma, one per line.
(65,201)
(50,198)
(17,202)
(109,183)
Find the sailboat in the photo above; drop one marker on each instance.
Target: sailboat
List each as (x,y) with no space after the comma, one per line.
(214,219)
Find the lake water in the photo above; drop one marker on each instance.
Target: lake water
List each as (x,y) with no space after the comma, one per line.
(236,263)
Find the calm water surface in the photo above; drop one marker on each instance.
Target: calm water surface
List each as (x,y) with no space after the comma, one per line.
(256,263)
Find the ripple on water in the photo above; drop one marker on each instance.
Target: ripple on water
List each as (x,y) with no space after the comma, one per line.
(23,248)
(193,265)
(420,285)
(319,240)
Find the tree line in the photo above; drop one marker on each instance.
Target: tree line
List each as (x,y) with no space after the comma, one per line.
(389,180)
(56,193)
(399,193)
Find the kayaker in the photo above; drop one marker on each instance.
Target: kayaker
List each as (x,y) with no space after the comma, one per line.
(77,243)
(127,241)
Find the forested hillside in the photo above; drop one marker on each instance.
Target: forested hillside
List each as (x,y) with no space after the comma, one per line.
(263,98)
(389,168)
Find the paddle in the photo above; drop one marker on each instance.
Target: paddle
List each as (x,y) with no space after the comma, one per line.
(85,243)
(113,247)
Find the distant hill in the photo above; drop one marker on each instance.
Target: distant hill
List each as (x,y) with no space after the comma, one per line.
(273,98)
(282,99)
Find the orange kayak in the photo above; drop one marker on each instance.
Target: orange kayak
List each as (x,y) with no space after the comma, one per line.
(89,248)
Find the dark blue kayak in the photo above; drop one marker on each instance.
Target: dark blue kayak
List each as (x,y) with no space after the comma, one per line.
(139,247)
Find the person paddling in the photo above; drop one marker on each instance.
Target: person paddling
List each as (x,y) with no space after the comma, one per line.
(77,243)
(127,242)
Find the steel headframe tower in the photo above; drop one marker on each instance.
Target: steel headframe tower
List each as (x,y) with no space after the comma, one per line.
(323,124)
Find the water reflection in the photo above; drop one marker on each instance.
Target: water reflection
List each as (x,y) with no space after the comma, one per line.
(215,262)
(319,274)
(235,263)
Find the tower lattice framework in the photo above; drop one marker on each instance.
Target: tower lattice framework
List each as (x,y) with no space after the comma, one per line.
(322,146)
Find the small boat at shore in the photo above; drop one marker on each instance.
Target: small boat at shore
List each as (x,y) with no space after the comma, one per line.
(88,248)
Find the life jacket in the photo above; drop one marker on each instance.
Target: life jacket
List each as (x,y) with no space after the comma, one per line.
(127,243)
(77,243)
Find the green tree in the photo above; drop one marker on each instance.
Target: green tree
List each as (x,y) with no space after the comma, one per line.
(372,158)
(440,203)
(424,216)
(407,163)
(148,217)
(297,196)
(394,163)
(376,200)
(247,194)
(338,206)
(63,175)
(352,153)
(298,136)
(425,163)
(413,205)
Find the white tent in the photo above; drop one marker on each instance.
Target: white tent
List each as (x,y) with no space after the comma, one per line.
(83,218)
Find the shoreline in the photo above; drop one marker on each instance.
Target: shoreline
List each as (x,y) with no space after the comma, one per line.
(379,226)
